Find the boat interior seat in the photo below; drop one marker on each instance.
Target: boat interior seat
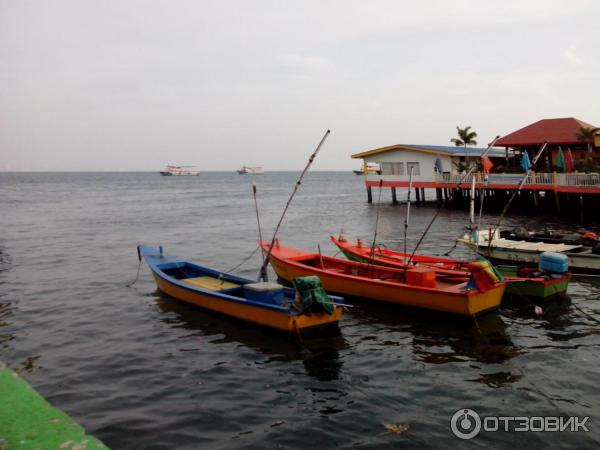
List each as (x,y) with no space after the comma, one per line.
(210,283)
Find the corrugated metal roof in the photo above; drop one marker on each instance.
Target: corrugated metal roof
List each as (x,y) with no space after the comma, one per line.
(437,149)
(554,131)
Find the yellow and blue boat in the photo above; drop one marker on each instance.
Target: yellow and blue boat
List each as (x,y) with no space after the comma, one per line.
(266,304)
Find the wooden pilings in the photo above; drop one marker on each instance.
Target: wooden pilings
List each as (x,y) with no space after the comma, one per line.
(369,195)
(394,199)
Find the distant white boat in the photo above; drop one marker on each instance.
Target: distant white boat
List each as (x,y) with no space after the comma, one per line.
(257,170)
(179,171)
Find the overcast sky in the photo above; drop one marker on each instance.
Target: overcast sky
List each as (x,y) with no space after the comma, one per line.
(134,85)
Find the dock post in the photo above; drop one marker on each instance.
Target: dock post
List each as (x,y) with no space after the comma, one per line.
(557,201)
(394,199)
(418,196)
(423,196)
(369,195)
(581,217)
(438,194)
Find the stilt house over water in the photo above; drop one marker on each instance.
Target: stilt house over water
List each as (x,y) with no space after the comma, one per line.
(570,165)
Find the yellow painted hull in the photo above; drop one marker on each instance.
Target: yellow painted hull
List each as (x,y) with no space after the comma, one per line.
(467,303)
(262,316)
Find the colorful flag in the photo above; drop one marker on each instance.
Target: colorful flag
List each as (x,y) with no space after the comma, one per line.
(525,163)
(486,164)
(560,160)
(569,162)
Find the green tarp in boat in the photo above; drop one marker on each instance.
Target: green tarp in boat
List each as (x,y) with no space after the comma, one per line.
(313,296)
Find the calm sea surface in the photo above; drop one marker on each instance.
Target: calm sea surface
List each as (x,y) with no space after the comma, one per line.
(143,371)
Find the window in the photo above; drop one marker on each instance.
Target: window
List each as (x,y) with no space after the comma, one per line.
(414,166)
(392,168)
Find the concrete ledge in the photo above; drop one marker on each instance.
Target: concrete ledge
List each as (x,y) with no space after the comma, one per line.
(28,421)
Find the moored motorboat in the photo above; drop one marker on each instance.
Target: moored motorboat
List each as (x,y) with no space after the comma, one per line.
(464,294)
(521,281)
(267,304)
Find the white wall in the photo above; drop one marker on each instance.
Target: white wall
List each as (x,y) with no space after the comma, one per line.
(426,163)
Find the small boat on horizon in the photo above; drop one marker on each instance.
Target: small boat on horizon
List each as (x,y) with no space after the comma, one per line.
(267,304)
(256,170)
(179,171)
(463,294)
(520,281)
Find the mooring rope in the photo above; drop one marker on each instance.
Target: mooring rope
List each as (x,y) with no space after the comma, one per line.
(136,275)
(245,260)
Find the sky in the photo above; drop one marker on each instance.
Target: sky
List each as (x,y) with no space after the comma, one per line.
(135,85)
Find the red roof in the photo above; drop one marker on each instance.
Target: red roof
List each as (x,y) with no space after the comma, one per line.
(553,131)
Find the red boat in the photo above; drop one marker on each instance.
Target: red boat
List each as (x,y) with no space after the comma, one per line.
(467,294)
(526,281)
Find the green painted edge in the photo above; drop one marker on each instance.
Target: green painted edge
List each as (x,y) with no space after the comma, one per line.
(28,421)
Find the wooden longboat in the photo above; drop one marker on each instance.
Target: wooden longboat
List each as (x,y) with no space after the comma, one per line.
(529,284)
(416,287)
(581,258)
(266,304)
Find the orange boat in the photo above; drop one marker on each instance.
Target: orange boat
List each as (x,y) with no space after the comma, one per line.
(520,281)
(416,286)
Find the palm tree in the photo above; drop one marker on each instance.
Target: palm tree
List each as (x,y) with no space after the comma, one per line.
(465,137)
(586,134)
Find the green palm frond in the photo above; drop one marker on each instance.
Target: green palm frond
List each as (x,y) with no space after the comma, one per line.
(465,137)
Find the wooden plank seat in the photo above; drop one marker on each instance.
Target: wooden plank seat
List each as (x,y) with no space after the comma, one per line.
(210,283)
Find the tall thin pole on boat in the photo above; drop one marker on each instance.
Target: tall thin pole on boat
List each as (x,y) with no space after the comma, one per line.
(481,199)
(257,217)
(437,213)
(514,194)
(472,206)
(407,218)
(263,269)
(377,218)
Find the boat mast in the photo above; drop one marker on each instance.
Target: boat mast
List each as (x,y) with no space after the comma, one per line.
(406,219)
(257,217)
(263,269)
(437,213)
(376,219)
(514,194)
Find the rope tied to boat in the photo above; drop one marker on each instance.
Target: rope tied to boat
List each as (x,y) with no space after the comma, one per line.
(138,269)
(244,261)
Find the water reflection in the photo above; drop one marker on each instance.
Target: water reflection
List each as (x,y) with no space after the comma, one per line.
(441,338)
(319,355)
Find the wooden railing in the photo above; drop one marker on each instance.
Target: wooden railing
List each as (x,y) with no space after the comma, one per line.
(549,179)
